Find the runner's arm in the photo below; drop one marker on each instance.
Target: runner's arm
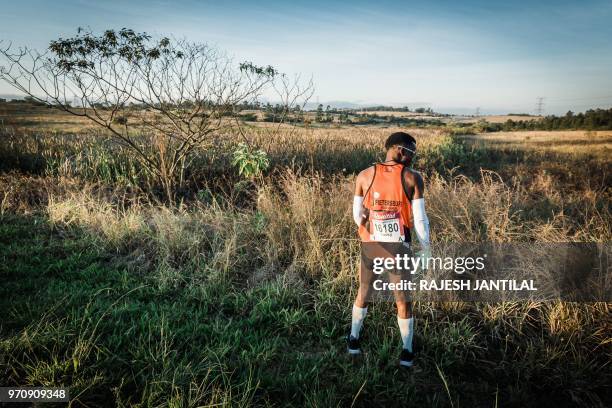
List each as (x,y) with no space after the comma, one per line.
(419,216)
(358,213)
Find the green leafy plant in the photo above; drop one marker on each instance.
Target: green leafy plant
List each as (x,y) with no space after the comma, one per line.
(250,162)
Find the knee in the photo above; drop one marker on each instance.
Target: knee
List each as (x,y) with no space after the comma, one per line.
(360,302)
(362,296)
(404,310)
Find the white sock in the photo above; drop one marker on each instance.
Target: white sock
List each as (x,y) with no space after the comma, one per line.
(406,327)
(359,314)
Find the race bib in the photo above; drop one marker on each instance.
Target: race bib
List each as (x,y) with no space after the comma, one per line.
(386,226)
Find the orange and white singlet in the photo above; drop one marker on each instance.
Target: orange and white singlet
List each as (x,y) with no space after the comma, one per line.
(390,215)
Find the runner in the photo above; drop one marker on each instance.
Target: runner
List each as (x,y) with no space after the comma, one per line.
(389,193)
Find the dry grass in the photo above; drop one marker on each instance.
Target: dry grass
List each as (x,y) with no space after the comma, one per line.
(170,243)
(306,219)
(573,142)
(498,118)
(458,118)
(27,117)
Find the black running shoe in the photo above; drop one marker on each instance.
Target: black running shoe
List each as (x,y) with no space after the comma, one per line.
(353,345)
(406,358)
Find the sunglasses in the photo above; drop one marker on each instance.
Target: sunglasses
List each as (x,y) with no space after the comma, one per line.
(413,152)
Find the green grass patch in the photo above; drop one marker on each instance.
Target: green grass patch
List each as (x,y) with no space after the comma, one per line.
(74,317)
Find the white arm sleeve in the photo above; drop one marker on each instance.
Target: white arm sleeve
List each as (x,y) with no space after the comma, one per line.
(357,209)
(421,222)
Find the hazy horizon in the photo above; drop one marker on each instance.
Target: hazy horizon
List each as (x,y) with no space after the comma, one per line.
(451,57)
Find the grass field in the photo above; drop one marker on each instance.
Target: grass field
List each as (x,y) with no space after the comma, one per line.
(576,142)
(40,117)
(242,296)
(466,119)
(499,118)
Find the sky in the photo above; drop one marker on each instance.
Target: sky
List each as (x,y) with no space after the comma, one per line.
(453,56)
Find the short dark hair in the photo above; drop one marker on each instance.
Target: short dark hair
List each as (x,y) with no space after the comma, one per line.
(399,138)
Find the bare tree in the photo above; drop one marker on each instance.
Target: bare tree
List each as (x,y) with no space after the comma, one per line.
(161,98)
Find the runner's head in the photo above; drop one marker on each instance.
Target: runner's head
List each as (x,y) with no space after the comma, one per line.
(401,147)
